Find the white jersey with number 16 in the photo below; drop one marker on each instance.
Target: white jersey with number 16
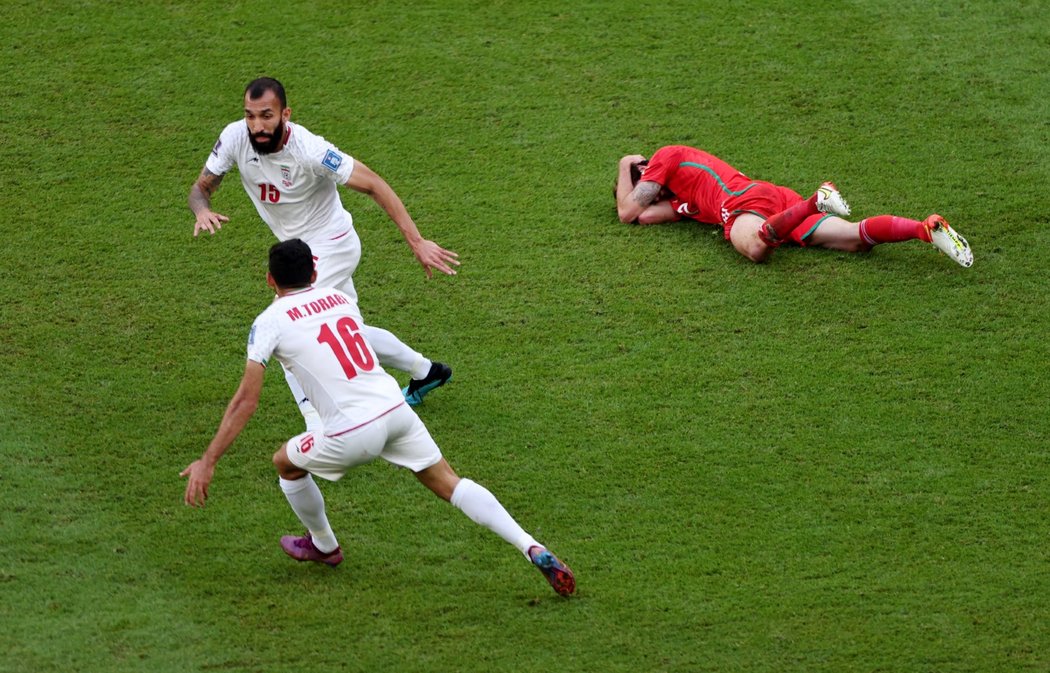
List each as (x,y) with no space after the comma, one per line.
(316,333)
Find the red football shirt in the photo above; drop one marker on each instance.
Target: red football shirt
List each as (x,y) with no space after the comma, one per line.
(701,182)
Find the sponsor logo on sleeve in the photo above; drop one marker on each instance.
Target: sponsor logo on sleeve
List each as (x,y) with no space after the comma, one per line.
(251,336)
(215,150)
(332,160)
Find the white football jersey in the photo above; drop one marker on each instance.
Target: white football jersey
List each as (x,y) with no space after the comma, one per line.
(295,190)
(315,333)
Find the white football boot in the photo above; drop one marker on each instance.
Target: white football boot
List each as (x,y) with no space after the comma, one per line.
(947,240)
(830,201)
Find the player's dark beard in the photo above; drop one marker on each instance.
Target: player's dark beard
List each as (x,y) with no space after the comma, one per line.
(264,143)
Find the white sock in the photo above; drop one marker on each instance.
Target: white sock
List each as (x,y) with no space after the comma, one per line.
(308,504)
(421,368)
(481,506)
(394,353)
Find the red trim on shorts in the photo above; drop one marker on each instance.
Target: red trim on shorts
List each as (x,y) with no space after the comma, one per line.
(361,425)
(338,237)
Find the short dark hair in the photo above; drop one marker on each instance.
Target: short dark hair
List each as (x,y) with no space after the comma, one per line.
(636,175)
(291,263)
(636,171)
(257,87)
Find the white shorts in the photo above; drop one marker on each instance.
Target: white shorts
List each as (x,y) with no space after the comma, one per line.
(336,261)
(397,436)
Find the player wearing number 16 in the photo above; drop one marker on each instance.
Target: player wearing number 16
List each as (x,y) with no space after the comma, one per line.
(316,333)
(292,177)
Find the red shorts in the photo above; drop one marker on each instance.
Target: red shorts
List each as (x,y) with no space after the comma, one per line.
(766,200)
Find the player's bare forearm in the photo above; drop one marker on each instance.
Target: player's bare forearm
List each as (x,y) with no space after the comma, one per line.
(631,203)
(198,200)
(200,203)
(430,255)
(659,213)
(627,208)
(623,191)
(366,181)
(239,411)
(392,205)
(202,189)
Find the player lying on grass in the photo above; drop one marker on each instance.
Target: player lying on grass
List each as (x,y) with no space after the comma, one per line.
(316,333)
(684,182)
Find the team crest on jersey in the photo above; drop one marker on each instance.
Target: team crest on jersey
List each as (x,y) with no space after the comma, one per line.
(286,176)
(332,160)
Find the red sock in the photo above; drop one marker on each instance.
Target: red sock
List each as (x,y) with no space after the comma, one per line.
(891,229)
(777,228)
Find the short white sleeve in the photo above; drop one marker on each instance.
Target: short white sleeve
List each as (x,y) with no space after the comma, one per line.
(263,338)
(223,155)
(326,160)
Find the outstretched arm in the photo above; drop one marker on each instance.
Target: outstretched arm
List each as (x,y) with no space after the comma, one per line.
(200,202)
(238,413)
(429,254)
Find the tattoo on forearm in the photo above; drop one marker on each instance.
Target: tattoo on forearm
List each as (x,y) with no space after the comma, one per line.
(200,193)
(646,192)
(209,181)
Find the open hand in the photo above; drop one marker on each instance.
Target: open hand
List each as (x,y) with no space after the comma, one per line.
(200,474)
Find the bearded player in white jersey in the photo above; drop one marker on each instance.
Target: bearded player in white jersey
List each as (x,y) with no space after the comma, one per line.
(292,177)
(316,333)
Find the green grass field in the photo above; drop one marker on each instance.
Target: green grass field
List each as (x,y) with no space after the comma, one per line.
(826,463)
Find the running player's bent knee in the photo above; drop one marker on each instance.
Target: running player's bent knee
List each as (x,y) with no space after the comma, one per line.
(439,478)
(284,466)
